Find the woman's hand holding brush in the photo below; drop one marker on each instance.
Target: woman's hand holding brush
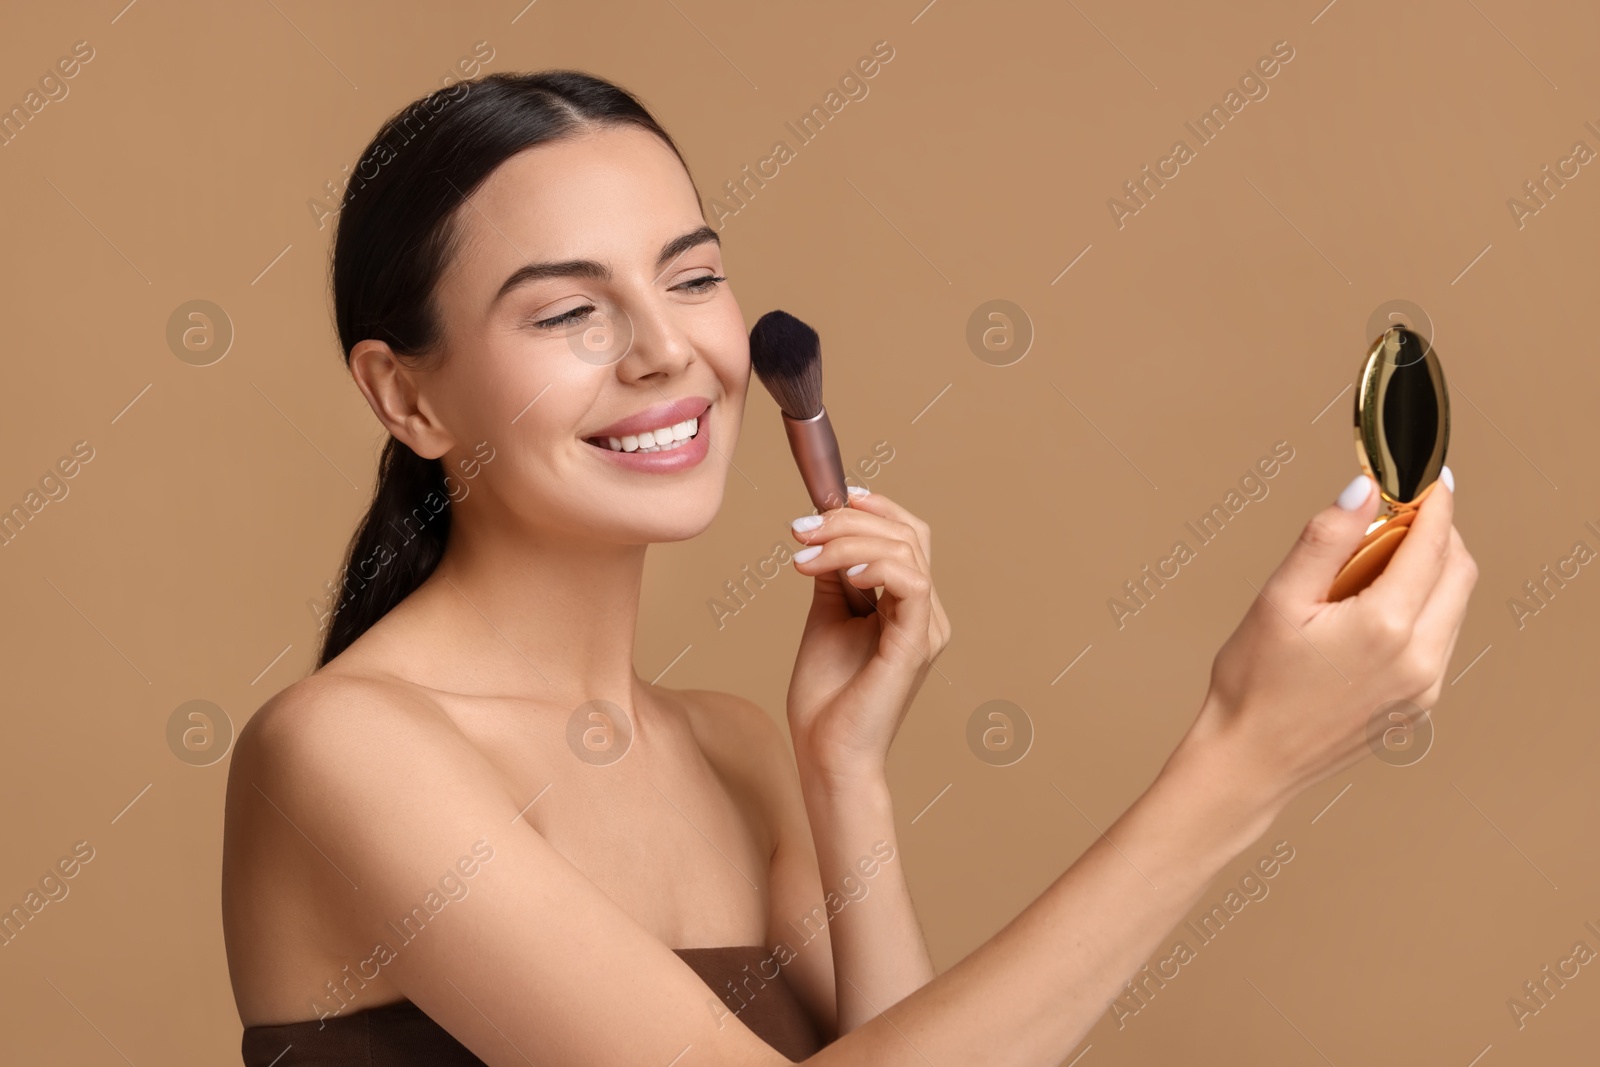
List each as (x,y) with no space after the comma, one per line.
(860,662)
(855,676)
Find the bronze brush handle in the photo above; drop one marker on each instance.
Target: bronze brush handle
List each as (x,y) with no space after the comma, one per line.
(816,453)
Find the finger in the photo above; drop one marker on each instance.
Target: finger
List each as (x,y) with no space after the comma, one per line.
(849,549)
(864,499)
(1441,616)
(1325,545)
(907,605)
(828,600)
(1432,694)
(1410,575)
(941,621)
(908,590)
(1428,625)
(845,552)
(838,522)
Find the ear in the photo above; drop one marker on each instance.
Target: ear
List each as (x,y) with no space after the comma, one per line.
(394,391)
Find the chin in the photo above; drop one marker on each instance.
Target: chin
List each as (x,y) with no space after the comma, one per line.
(694,521)
(685,520)
(663,532)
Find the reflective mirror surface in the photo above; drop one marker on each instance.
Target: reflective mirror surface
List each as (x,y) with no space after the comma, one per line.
(1402,417)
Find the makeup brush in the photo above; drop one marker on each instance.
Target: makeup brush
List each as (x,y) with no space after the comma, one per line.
(786,355)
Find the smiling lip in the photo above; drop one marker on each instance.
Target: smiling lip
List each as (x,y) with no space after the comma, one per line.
(667,414)
(686,455)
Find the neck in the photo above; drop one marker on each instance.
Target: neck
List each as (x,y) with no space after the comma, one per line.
(537,614)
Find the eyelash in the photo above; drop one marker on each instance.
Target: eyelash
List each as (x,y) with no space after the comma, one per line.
(703,284)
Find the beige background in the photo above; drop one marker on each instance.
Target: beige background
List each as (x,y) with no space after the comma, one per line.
(1227,315)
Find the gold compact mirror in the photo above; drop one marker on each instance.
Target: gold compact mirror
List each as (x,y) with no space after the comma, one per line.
(1402,428)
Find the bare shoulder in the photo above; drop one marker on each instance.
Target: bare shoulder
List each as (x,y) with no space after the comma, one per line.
(320,708)
(341,721)
(332,745)
(337,783)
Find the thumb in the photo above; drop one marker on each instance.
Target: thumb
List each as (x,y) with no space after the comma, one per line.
(828,602)
(1324,546)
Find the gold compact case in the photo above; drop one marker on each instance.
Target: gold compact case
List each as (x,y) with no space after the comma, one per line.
(1402,421)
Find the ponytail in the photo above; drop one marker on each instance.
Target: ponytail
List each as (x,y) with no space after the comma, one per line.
(398,544)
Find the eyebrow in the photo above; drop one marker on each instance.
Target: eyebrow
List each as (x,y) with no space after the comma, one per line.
(589,268)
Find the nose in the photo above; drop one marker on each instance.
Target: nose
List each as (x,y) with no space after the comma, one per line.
(658,346)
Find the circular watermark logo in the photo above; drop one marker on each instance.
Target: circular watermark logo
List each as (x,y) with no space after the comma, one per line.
(199,332)
(1405,313)
(599,732)
(199,732)
(999,332)
(1400,733)
(603,337)
(999,732)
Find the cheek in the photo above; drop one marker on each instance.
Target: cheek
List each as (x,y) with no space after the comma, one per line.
(727,348)
(730,419)
(728,353)
(535,474)
(528,404)
(739,376)
(522,388)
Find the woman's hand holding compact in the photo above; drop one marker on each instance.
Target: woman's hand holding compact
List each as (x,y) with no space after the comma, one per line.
(1295,689)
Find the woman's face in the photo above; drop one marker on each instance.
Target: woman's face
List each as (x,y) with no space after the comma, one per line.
(581,303)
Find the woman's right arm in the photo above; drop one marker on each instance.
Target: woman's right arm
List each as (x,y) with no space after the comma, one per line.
(1292,694)
(536,965)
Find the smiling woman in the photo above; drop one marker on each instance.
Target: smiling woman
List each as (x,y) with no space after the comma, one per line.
(534,276)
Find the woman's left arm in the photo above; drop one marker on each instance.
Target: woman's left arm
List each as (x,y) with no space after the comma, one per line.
(853,683)
(879,955)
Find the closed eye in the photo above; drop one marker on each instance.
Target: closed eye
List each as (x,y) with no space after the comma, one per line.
(703,284)
(566,318)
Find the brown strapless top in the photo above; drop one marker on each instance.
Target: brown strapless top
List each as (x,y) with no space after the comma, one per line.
(402,1035)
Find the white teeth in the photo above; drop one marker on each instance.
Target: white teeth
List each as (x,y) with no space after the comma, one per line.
(662,440)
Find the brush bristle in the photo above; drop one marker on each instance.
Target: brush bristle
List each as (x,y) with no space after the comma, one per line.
(786,355)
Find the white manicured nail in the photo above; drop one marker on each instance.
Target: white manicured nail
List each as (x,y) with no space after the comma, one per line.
(806,522)
(1355,494)
(807,554)
(857,569)
(858,490)
(1449,479)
